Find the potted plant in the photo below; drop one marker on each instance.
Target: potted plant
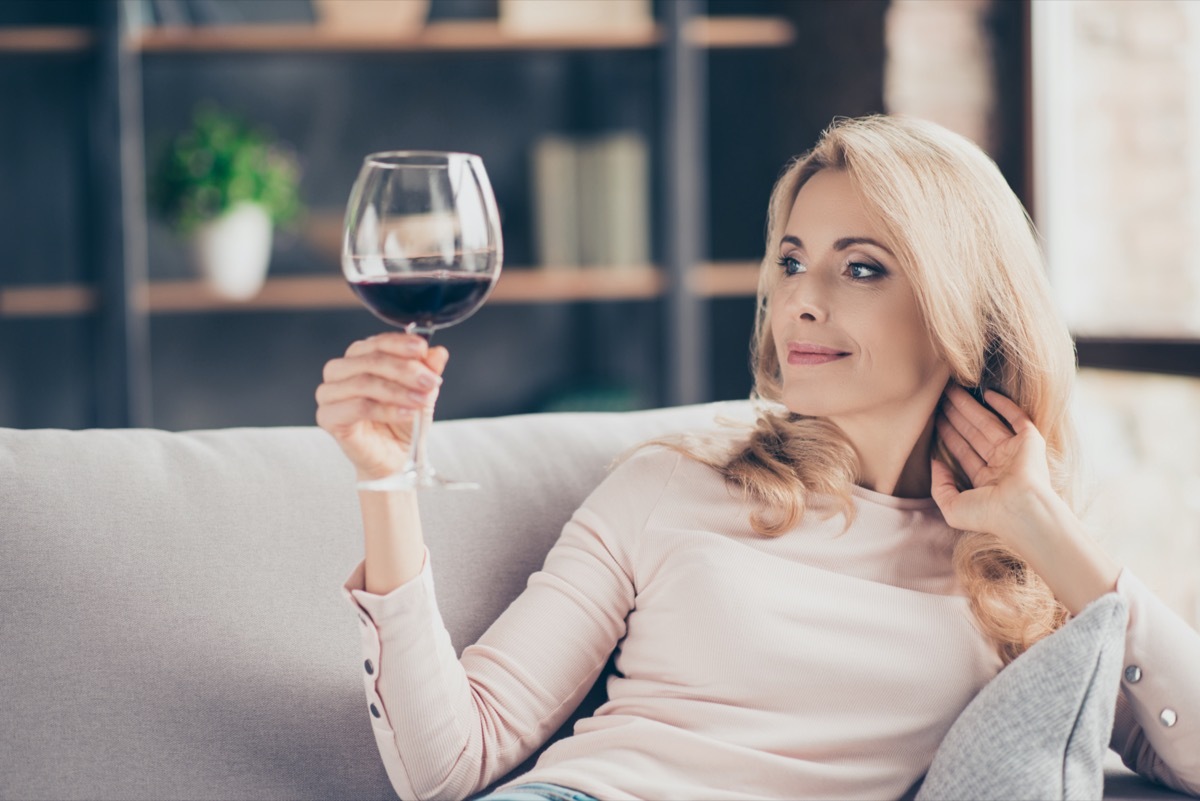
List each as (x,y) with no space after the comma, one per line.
(224,186)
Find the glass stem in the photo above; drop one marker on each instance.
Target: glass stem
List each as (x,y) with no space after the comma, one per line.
(421,423)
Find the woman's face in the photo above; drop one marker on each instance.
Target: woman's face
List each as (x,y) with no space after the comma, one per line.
(850,339)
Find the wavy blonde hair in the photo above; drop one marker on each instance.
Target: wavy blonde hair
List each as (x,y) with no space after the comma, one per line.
(971,254)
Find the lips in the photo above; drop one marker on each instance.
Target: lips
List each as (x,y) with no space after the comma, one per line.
(811,353)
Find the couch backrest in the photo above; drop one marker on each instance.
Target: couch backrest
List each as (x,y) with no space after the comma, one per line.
(171,624)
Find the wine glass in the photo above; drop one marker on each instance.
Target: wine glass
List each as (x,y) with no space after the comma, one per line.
(422,250)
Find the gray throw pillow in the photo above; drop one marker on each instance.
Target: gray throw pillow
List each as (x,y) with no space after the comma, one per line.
(1040,728)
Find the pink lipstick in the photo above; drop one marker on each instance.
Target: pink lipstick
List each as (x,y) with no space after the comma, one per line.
(810,353)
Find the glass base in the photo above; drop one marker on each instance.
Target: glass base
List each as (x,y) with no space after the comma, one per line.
(414,479)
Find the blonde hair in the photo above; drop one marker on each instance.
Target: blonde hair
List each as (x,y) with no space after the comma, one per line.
(970,252)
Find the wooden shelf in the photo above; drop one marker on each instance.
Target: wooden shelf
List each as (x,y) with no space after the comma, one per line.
(725,279)
(330,292)
(566,285)
(747,32)
(471,35)
(44,40)
(278,294)
(65,300)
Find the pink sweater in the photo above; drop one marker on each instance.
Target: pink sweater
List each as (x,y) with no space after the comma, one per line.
(810,665)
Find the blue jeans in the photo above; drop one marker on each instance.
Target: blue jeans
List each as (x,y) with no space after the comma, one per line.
(537,791)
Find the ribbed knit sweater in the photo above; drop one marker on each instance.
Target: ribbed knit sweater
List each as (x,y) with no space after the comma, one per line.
(816,664)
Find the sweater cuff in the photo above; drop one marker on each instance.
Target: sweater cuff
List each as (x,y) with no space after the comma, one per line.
(1162,654)
(377,608)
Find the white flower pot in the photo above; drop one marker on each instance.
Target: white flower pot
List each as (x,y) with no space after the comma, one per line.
(233,251)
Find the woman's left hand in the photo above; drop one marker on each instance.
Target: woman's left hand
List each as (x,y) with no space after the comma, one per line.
(1012,497)
(1006,464)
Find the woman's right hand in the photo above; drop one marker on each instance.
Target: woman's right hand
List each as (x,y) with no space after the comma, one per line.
(370,396)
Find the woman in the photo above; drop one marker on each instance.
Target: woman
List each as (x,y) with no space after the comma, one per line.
(800,611)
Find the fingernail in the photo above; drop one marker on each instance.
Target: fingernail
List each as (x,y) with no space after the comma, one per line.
(429,380)
(419,397)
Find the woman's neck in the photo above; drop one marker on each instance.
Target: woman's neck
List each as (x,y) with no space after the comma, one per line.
(893,455)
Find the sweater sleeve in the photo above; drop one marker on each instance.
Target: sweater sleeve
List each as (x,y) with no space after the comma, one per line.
(1156,729)
(449,727)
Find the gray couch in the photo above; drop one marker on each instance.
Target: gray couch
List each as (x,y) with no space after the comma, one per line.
(171,623)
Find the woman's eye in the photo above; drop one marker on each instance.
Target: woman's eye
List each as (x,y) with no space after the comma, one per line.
(791,266)
(862,270)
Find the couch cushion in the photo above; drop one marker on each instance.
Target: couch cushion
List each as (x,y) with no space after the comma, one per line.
(172,621)
(1040,729)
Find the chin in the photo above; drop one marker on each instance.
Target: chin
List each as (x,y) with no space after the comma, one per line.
(807,404)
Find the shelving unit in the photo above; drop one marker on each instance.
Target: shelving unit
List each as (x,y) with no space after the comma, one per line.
(122,300)
(125,298)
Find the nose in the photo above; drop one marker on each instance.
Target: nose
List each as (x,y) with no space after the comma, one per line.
(806,299)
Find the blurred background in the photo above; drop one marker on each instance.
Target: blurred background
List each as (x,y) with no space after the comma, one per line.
(632,145)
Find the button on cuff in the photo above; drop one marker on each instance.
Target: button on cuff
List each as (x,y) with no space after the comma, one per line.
(1167,717)
(1133,674)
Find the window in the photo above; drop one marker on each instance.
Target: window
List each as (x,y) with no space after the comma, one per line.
(1116,124)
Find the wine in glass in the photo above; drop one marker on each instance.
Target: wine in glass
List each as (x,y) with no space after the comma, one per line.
(422,249)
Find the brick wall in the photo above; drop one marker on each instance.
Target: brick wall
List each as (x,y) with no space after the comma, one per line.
(1124,169)
(940,65)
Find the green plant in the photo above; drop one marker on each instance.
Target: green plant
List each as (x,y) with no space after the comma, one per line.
(216,164)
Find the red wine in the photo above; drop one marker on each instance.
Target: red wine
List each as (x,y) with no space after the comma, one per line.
(426,300)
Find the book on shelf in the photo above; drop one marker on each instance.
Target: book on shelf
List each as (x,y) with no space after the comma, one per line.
(592,200)
(620,202)
(551,17)
(556,201)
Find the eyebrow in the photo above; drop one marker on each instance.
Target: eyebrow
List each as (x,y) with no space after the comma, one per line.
(843,243)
